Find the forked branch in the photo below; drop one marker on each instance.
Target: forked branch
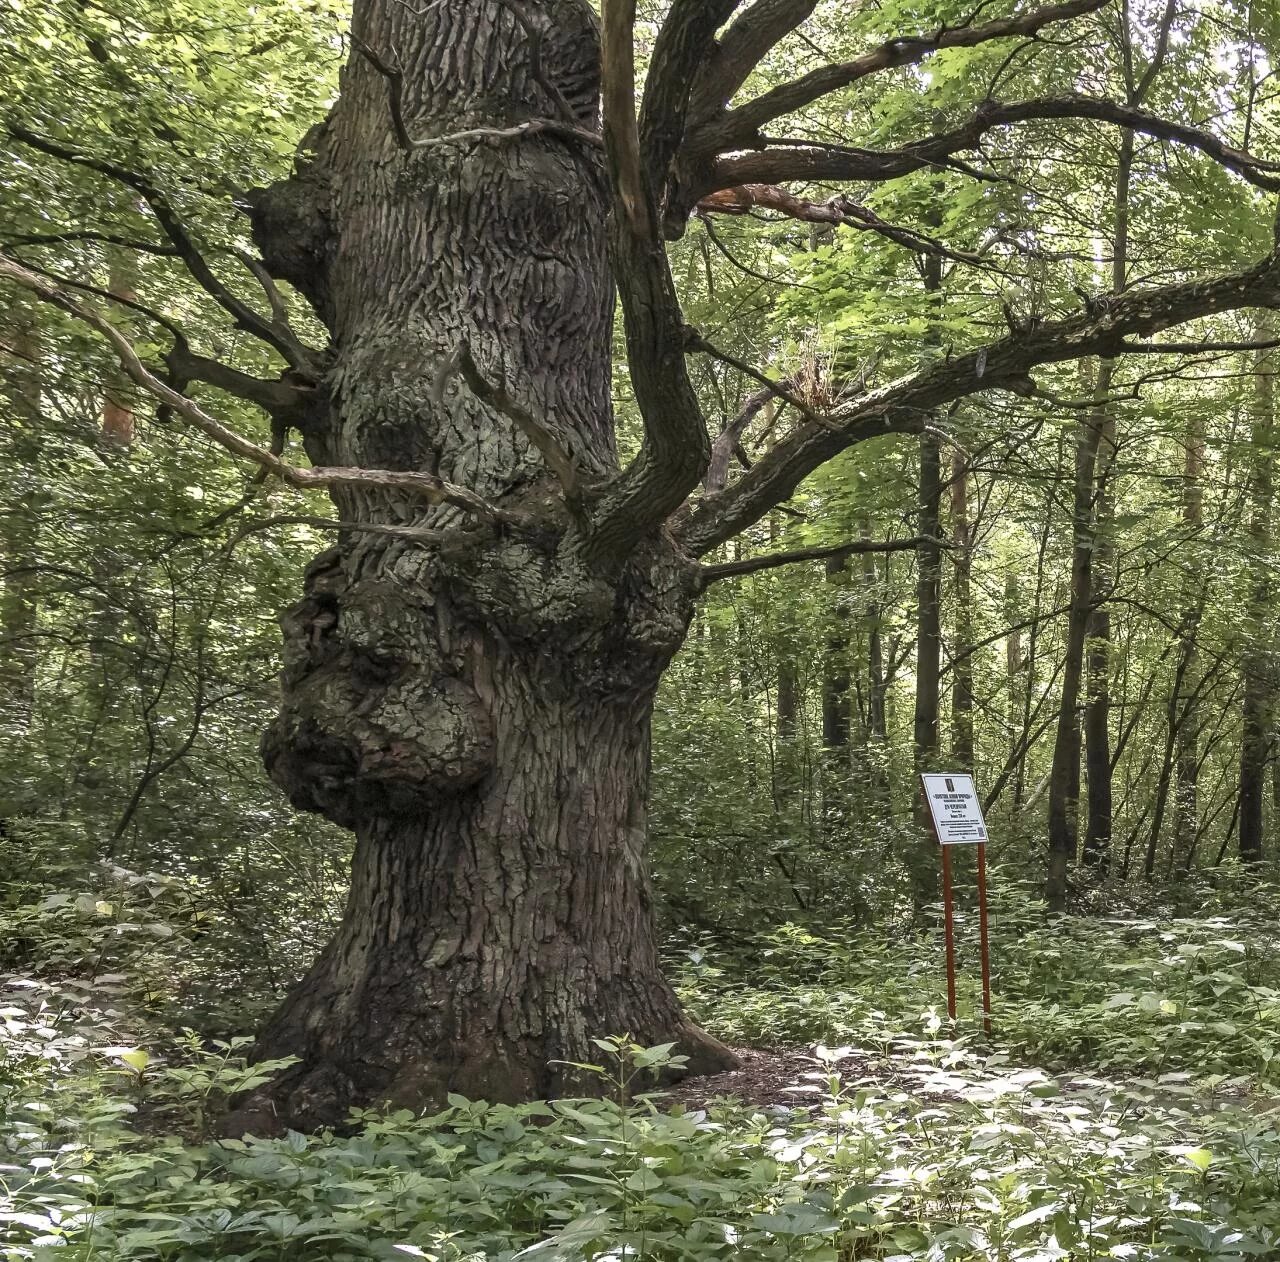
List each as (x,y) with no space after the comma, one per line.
(904,405)
(426,485)
(274,332)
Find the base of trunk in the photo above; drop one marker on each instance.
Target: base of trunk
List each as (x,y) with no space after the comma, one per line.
(315,1095)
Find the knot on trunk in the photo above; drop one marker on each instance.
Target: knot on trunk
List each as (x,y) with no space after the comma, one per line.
(374,718)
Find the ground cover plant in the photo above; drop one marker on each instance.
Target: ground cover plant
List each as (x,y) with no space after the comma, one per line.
(1125,1107)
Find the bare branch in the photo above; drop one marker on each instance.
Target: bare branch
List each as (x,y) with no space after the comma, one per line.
(415,534)
(729,439)
(618,100)
(904,405)
(753,565)
(774,166)
(695,342)
(431,488)
(841,209)
(283,339)
(740,126)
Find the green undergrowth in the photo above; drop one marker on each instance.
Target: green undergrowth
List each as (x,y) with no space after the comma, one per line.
(1121,1110)
(1140,993)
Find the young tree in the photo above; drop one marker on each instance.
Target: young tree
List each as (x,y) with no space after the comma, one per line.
(469,676)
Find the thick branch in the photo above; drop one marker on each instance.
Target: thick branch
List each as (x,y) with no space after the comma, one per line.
(739,127)
(676,448)
(904,405)
(742,47)
(680,53)
(431,488)
(618,108)
(818,162)
(753,565)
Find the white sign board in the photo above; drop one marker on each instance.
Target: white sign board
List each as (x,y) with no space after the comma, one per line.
(953,803)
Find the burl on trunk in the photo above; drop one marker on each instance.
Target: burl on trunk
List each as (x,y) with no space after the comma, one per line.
(473,702)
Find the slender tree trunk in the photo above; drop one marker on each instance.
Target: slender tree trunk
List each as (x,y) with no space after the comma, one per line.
(1097,716)
(1096,851)
(1064,775)
(1255,664)
(962,672)
(1186,804)
(20,522)
(118,393)
(475,706)
(835,665)
(877,733)
(1022,746)
(925,736)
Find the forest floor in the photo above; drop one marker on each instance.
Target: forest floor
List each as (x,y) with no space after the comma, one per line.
(1125,1108)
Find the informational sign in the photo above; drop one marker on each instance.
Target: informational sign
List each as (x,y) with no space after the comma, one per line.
(957,821)
(957,813)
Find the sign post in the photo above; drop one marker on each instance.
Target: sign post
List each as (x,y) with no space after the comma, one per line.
(957,820)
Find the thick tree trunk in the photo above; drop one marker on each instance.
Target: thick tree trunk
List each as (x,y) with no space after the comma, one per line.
(499,928)
(474,706)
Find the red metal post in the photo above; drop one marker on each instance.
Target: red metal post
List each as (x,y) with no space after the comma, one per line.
(982,931)
(950,931)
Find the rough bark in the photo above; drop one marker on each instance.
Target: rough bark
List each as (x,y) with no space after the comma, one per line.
(475,709)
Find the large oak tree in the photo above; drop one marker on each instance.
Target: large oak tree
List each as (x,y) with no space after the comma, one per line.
(470,673)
